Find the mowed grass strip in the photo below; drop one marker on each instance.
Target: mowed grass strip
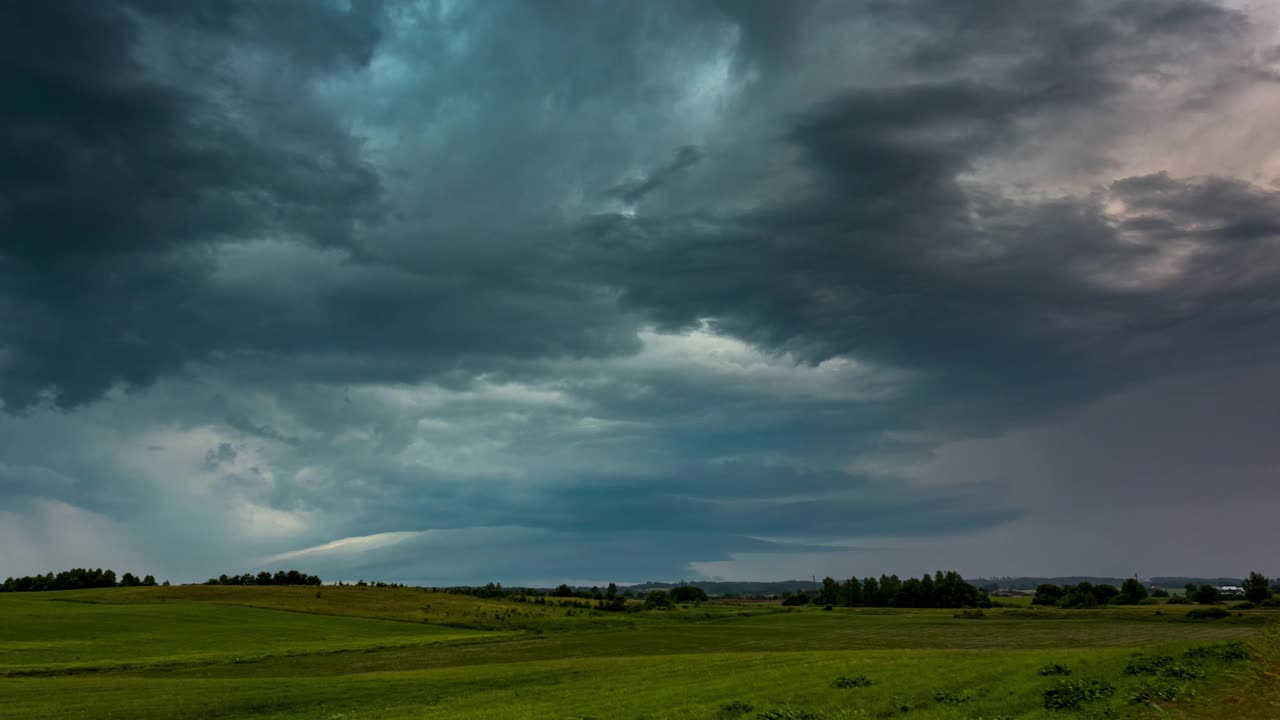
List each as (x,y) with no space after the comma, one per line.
(60,636)
(781,633)
(675,687)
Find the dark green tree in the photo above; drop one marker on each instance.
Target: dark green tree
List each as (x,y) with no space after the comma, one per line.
(1132,592)
(870,592)
(657,600)
(829,594)
(889,587)
(1105,593)
(1207,595)
(1047,594)
(851,592)
(790,599)
(688,594)
(928,590)
(1257,588)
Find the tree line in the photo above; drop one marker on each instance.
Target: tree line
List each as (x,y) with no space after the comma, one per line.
(280,577)
(1257,589)
(76,579)
(940,590)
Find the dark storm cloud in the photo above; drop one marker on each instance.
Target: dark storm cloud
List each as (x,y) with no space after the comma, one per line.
(635,190)
(897,259)
(411,266)
(114,185)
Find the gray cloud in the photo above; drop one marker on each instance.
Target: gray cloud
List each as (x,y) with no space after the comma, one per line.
(279,274)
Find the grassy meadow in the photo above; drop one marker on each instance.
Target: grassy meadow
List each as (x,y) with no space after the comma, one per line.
(351,653)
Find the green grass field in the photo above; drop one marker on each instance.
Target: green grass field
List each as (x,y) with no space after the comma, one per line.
(357,653)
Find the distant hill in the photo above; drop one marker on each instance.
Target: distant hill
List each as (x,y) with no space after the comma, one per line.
(1030,583)
(1177,582)
(1008,583)
(732,588)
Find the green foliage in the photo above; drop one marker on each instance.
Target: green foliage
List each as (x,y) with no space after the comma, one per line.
(1178,600)
(947,697)
(735,709)
(657,600)
(851,681)
(1165,666)
(1047,594)
(1257,588)
(829,593)
(1230,652)
(1055,669)
(1207,595)
(792,600)
(787,713)
(850,593)
(688,594)
(1148,665)
(74,579)
(1209,613)
(1165,690)
(1078,598)
(1132,592)
(1074,694)
(280,577)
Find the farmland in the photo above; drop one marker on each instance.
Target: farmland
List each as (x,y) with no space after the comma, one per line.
(353,653)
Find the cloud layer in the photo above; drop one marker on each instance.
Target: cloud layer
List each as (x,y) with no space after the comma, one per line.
(446,293)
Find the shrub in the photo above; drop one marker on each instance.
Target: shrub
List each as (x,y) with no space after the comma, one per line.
(688,594)
(735,708)
(1047,594)
(1162,690)
(1230,652)
(1207,595)
(787,713)
(1078,599)
(944,697)
(1209,613)
(1148,665)
(657,599)
(1148,601)
(1055,669)
(826,607)
(1246,605)
(1183,672)
(1178,600)
(1073,694)
(855,681)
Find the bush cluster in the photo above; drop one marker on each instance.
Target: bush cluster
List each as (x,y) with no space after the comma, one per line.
(1074,694)
(851,681)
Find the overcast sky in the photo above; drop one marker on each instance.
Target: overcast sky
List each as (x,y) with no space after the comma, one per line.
(447,292)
